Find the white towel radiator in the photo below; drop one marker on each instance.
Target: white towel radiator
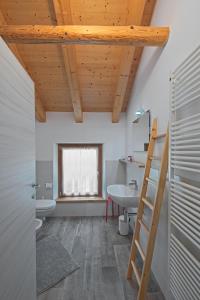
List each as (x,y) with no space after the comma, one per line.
(184,212)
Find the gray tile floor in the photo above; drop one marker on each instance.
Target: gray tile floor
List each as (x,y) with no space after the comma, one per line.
(103,257)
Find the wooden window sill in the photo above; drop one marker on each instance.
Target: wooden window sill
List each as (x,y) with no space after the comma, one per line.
(80,200)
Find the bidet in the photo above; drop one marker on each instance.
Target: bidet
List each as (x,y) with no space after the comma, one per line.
(38,224)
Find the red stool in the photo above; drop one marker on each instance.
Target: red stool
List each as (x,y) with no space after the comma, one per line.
(110,201)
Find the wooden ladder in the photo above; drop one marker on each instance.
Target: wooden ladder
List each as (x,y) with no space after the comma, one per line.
(155,207)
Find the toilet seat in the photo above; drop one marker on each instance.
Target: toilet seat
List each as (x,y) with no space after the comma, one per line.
(45,205)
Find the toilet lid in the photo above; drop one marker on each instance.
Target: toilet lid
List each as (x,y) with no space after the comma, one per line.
(45,204)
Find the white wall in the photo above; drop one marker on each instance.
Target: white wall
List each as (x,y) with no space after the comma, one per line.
(96,128)
(152,90)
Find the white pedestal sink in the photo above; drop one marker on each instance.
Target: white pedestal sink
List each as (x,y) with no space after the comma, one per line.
(123,195)
(126,197)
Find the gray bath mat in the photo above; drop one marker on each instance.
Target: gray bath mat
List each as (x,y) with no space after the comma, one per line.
(54,263)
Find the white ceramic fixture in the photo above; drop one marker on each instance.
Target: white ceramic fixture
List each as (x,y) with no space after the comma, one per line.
(45,207)
(123,195)
(38,224)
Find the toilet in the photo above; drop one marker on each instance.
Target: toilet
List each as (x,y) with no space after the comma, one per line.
(45,207)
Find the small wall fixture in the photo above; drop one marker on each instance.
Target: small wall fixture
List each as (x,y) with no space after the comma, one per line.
(140,112)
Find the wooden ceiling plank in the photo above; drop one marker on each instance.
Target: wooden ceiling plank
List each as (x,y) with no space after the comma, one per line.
(39,108)
(59,9)
(146,20)
(131,56)
(98,66)
(131,35)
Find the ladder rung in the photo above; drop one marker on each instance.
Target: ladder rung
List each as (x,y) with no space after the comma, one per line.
(137,275)
(144,226)
(154,158)
(151,181)
(147,203)
(160,136)
(140,249)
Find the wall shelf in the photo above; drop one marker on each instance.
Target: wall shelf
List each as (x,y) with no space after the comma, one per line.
(139,163)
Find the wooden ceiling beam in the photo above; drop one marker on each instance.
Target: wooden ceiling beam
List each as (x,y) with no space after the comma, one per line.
(131,35)
(140,13)
(39,108)
(40,112)
(58,9)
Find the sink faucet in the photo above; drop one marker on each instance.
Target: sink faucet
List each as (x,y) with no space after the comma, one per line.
(133,182)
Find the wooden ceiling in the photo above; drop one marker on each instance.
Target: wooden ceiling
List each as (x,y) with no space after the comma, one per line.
(79,78)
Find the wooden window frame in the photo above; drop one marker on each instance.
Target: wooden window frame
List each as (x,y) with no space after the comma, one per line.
(60,171)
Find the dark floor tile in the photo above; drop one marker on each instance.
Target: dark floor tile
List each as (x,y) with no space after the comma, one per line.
(103,257)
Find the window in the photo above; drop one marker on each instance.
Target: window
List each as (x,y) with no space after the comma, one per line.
(80,170)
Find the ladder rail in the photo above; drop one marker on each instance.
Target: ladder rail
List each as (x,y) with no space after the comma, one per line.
(155,220)
(143,195)
(155,210)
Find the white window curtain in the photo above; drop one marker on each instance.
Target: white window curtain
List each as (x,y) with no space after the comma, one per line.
(80,171)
